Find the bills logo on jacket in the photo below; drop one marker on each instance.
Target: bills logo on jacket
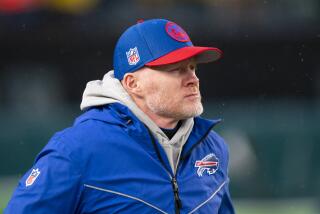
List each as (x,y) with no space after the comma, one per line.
(208,164)
(133,56)
(32,177)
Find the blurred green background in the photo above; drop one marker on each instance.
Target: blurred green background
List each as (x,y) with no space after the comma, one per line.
(266,88)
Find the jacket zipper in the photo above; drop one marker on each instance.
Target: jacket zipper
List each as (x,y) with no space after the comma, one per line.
(175,187)
(177,201)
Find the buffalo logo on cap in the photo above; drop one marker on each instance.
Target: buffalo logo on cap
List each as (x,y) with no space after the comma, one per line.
(176,32)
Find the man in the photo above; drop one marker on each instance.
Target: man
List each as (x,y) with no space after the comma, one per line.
(140,146)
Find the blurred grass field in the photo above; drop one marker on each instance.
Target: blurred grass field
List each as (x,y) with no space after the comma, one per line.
(243,206)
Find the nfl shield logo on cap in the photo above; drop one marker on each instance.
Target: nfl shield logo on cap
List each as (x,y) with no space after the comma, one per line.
(133,56)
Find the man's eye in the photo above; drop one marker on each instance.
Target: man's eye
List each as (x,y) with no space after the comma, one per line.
(175,70)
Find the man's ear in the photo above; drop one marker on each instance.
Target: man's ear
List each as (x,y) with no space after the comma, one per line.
(130,82)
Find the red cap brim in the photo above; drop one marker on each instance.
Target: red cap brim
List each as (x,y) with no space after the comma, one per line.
(201,54)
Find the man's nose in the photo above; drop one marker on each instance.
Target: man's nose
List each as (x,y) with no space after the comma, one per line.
(192,78)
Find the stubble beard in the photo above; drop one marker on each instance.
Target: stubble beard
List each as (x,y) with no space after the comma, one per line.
(165,105)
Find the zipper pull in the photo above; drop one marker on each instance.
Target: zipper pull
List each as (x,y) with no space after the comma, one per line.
(178,203)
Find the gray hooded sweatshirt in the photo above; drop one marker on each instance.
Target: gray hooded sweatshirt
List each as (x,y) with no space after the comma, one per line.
(109,90)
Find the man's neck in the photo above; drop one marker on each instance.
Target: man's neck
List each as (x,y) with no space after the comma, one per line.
(163,122)
(171,132)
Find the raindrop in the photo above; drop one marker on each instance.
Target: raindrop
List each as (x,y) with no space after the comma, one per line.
(302,59)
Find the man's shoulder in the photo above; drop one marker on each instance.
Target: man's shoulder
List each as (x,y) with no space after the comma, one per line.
(218,142)
(92,130)
(217,137)
(89,130)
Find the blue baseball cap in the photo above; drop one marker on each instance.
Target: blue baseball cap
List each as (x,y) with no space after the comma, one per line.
(157,42)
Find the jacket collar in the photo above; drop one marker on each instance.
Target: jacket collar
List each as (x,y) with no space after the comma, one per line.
(201,129)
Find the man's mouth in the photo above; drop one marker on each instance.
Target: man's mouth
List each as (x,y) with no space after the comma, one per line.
(193,95)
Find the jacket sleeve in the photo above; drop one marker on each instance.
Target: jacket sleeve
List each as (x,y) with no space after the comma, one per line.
(226,206)
(53,185)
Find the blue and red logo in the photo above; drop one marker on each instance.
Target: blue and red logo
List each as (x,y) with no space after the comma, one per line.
(133,56)
(176,32)
(208,164)
(32,177)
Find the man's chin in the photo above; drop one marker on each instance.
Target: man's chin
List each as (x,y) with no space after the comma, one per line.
(192,111)
(184,110)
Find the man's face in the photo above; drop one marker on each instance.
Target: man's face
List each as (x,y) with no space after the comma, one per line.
(172,91)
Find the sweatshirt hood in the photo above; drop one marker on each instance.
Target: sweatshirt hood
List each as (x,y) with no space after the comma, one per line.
(102,92)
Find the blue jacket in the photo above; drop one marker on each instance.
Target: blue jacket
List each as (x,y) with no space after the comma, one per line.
(108,162)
